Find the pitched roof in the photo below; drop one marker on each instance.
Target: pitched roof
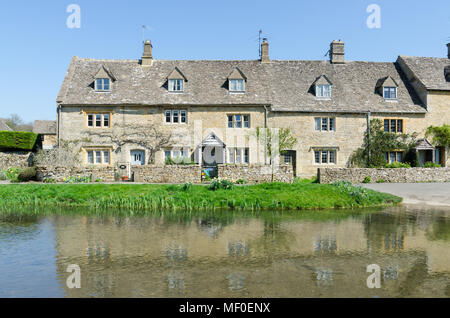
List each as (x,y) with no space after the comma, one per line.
(429,71)
(284,85)
(4,126)
(44,127)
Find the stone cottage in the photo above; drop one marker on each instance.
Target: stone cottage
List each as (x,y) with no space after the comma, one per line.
(152,111)
(46,129)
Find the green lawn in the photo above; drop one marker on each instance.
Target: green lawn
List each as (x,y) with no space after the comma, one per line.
(274,196)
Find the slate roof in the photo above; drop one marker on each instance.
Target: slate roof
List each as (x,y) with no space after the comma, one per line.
(44,127)
(429,71)
(283,85)
(4,126)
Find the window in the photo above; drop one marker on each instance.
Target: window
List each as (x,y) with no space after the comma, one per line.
(236,85)
(325,124)
(99,120)
(176,85)
(238,155)
(238,121)
(175,116)
(102,84)
(287,159)
(390,92)
(323,91)
(393,125)
(180,154)
(393,156)
(98,157)
(325,156)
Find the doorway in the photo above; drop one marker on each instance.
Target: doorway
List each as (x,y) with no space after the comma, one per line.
(137,157)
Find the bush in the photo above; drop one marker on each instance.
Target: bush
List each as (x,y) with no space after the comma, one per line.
(430,164)
(381,181)
(367,179)
(12,174)
(224,184)
(187,186)
(83,179)
(359,193)
(241,181)
(49,180)
(396,165)
(2,176)
(17,140)
(27,174)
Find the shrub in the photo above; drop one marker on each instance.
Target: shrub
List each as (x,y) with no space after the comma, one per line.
(49,180)
(367,179)
(17,140)
(381,181)
(83,179)
(430,164)
(396,165)
(12,174)
(224,184)
(2,175)
(27,174)
(241,181)
(358,193)
(187,186)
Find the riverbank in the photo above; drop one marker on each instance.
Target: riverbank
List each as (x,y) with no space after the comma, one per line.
(274,196)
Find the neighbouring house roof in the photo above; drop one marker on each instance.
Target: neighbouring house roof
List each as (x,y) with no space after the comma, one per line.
(4,126)
(44,127)
(283,85)
(430,71)
(424,144)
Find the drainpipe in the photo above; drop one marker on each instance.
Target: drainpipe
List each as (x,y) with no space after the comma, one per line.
(368,138)
(265,134)
(58,111)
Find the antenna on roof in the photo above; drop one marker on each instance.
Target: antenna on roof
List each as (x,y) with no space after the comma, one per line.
(259,43)
(144,27)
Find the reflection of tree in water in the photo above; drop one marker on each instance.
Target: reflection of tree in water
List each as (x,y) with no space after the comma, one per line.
(14,228)
(415,277)
(440,230)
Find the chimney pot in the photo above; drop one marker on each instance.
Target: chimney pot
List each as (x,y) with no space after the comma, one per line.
(337,52)
(265,51)
(147,57)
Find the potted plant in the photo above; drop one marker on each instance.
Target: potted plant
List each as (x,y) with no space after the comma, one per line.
(125,178)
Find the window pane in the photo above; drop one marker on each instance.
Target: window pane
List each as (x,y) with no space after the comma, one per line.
(240,85)
(238,119)
(106,157)
(233,85)
(171,85)
(399,156)
(324,123)
(106,84)
(230,121)
(106,120)
(238,155)
(324,156)
(246,159)
(90,120)
(317,156)
(98,120)
(90,157)
(167,154)
(391,157)
(317,123)
(231,155)
(168,116)
(246,121)
(183,116)
(99,84)
(393,92)
(386,154)
(179,85)
(393,125)
(175,116)
(332,156)
(400,125)
(386,125)
(332,128)
(287,159)
(386,92)
(98,157)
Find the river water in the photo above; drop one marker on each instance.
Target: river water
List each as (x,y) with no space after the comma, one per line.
(228,254)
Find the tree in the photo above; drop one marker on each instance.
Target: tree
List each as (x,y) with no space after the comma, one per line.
(66,154)
(377,142)
(284,143)
(16,123)
(440,135)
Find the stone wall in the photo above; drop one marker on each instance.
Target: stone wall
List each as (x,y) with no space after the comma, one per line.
(16,159)
(357,175)
(167,174)
(106,174)
(256,173)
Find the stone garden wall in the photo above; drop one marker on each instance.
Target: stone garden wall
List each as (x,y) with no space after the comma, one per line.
(106,174)
(167,174)
(409,175)
(16,159)
(256,173)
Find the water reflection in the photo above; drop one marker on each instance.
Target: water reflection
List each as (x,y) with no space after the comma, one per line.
(314,254)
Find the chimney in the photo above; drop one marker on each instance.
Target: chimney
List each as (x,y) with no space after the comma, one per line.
(337,53)
(448,48)
(147,57)
(265,51)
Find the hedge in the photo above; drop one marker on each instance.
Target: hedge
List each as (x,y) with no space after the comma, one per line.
(17,140)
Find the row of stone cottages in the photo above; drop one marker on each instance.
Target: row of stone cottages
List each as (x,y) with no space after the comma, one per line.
(135,116)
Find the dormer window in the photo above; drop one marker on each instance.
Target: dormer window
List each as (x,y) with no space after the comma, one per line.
(102,85)
(237,85)
(176,85)
(323,91)
(390,92)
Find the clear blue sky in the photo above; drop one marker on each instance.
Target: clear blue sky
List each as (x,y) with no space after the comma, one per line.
(36,45)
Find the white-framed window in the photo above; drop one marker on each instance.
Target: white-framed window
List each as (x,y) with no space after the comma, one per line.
(98,120)
(324,156)
(238,121)
(176,85)
(237,85)
(325,124)
(102,84)
(238,155)
(323,91)
(98,156)
(176,154)
(175,116)
(390,92)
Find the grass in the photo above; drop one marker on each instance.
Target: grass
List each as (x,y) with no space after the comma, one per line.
(269,196)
